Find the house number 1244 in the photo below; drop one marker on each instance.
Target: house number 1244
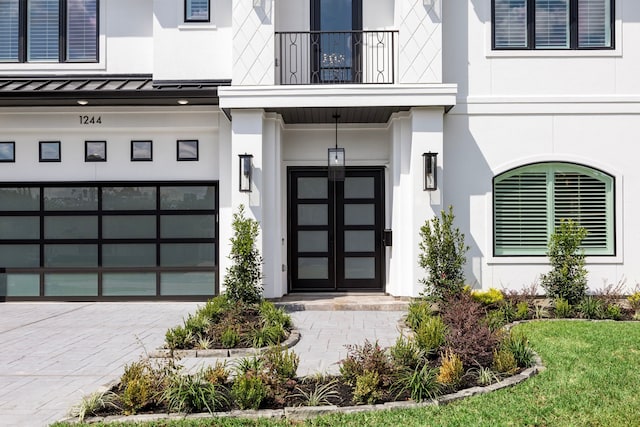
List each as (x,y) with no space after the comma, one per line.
(90,120)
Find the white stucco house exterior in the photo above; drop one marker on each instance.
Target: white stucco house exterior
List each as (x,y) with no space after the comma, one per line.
(131,131)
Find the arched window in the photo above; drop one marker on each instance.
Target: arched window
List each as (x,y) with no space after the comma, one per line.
(529,201)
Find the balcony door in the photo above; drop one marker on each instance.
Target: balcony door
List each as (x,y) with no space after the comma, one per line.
(335,230)
(336,41)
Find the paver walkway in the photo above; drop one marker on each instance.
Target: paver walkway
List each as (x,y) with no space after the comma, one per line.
(53,353)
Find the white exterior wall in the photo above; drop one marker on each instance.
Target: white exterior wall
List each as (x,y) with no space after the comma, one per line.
(119,127)
(521,107)
(190,50)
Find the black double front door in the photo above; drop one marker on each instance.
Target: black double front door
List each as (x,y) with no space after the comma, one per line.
(336,230)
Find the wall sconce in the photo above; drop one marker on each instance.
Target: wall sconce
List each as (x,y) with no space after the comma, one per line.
(336,158)
(245,170)
(430,171)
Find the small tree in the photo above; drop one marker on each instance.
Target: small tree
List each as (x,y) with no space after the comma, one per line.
(568,276)
(242,280)
(443,256)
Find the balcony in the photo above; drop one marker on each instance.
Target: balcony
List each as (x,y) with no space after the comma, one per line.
(331,57)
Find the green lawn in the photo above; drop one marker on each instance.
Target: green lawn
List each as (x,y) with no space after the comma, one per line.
(592,379)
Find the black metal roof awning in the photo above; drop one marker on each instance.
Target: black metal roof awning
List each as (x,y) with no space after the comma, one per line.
(105,90)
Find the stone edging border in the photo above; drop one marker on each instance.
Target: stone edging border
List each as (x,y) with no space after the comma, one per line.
(299,413)
(294,337)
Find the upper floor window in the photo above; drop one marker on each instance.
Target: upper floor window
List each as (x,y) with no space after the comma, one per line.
(530,201)
(553,24)
(48,30)
(196,11)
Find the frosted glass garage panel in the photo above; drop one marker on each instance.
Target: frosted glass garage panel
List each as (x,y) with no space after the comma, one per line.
(71,227)
(187,226)
(23,285)
(128,198)
(70,285)
(71,198)
(196,197)
(129,255)
(187,255)
(71,255)
(19,256)
(129,227)
(187,283)
(19,227)
(360,268)
(128,284)
(20,199)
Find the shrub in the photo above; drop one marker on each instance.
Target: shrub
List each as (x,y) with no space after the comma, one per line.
(504,362)
(249,391)
(508,311)
(430,336)
(451,370)
(249,364)
(367,389)
(196,324)
(495,320)
(178,338)
(419,310)
(406,353)
(266,336)
(484,375)
(468,335)
(94,403)
(562,308)
(420,382)
(320,395)
(243,277)
(634,301)
(139,386)
(540,312)
(568,276)
(217,374)
(443,255)
(591,308)
(274,316)
(230,337)
(613,312)
(522,310)
(368,357)
(488,297)
(193,393)
(214,308)
(281,363)
(517,344)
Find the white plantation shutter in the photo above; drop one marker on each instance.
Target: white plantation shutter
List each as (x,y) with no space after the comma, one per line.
(521,215)
(584,199)
(197,10)
(530,201)
(82,30)
(43,30)
(9,30)
(510,23)
(552,24)
(594,23)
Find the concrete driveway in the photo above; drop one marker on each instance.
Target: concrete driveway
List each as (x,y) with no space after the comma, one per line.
(53,353)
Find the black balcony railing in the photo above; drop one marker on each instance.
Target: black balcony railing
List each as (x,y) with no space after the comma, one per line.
(328,57)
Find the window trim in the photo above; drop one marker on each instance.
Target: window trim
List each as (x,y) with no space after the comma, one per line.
(142,159)
(187,19)
(553,166)
(23,41)
(183,158)
(58,158)
(103,144)
(573,31)
(11,144)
